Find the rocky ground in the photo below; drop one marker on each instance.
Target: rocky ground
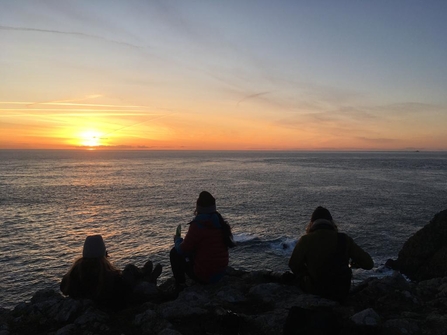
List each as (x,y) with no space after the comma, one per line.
(256,303)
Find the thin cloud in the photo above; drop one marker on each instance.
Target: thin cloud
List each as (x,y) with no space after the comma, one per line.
(94,96)
(412,107)
(137,123)
(85,112)
(252,96)
(378,141)
(65,111)
(29,104)
(70,103)
(71,33)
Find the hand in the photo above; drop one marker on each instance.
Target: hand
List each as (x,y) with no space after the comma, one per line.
(178,231)
(354,265)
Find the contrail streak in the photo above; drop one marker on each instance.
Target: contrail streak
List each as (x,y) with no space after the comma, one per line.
(94,96)
(251,96)
(20,112)
(72,33)
(55,103)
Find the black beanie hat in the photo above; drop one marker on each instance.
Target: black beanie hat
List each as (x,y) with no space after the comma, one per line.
(321,213)
(94,247)
(206,203)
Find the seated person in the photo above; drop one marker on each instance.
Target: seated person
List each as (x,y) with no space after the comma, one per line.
(321,258)
(203,253)
(93,277)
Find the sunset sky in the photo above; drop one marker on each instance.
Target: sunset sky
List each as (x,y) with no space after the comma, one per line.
(242,74)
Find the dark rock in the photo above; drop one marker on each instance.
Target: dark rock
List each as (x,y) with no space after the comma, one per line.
(147,321)
(367,317)
(423,255)
(246,303)
(169,332)
(69,329)
(267,292)
(65,310)
(402,326)
(311,321)
(45,296)
(91,317)
(258,302)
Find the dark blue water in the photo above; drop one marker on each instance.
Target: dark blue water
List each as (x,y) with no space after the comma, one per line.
(50,200)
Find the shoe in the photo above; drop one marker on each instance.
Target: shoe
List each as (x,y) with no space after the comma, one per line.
(147,268)
(131,275)
(155,273)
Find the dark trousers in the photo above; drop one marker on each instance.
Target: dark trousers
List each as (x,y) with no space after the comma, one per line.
(181,266)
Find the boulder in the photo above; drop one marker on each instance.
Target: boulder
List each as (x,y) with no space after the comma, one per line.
(243,303)
(261,303)
(367,317)
(423,255)
(402,326)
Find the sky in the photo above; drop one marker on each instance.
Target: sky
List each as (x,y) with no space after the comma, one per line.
(223,75)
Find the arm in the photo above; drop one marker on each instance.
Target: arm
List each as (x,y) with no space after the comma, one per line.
(189,243)
(360,257)
(70,282)
(64,285)
(296,261)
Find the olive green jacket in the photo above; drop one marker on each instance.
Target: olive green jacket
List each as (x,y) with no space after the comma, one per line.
(314,249)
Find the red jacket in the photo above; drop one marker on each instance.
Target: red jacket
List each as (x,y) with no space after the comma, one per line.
(204,243)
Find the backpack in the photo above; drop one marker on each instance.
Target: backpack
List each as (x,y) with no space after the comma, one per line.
(334,281)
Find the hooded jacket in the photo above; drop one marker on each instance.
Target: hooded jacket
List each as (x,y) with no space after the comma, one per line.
(204,243)
(313,250)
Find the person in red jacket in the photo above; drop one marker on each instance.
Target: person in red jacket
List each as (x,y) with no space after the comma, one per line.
(203,253)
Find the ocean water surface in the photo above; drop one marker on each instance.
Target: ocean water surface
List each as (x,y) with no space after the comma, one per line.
(51,199)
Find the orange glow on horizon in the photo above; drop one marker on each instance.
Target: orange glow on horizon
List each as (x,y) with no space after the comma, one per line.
(108,125)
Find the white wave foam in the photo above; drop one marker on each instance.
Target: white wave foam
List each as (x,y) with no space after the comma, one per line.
(244,237)
(283,246)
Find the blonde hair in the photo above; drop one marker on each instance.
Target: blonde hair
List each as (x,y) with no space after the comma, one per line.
(90,277)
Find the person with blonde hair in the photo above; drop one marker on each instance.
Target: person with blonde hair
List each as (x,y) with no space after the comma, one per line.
(93,277)
(321,258)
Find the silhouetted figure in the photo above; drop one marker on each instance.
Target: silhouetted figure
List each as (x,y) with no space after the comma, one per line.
(203,253)
(93,277)
(321,258)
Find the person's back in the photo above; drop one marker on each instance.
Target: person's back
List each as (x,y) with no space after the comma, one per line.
(319,246)
(89,280)
(94,277)
(205,241)
(321,258)
(203,253)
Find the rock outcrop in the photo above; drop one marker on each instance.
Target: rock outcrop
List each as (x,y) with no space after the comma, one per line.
(244,303)
(261,303)
(424,255)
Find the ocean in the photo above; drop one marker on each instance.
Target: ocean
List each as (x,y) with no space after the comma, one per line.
(50,200)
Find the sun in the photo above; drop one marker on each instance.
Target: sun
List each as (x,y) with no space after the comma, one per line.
(90,138)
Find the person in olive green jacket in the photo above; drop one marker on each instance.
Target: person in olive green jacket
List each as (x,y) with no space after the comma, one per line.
(321,258)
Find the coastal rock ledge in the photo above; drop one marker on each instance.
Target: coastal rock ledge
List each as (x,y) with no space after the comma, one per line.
(424,255)
(256,303)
